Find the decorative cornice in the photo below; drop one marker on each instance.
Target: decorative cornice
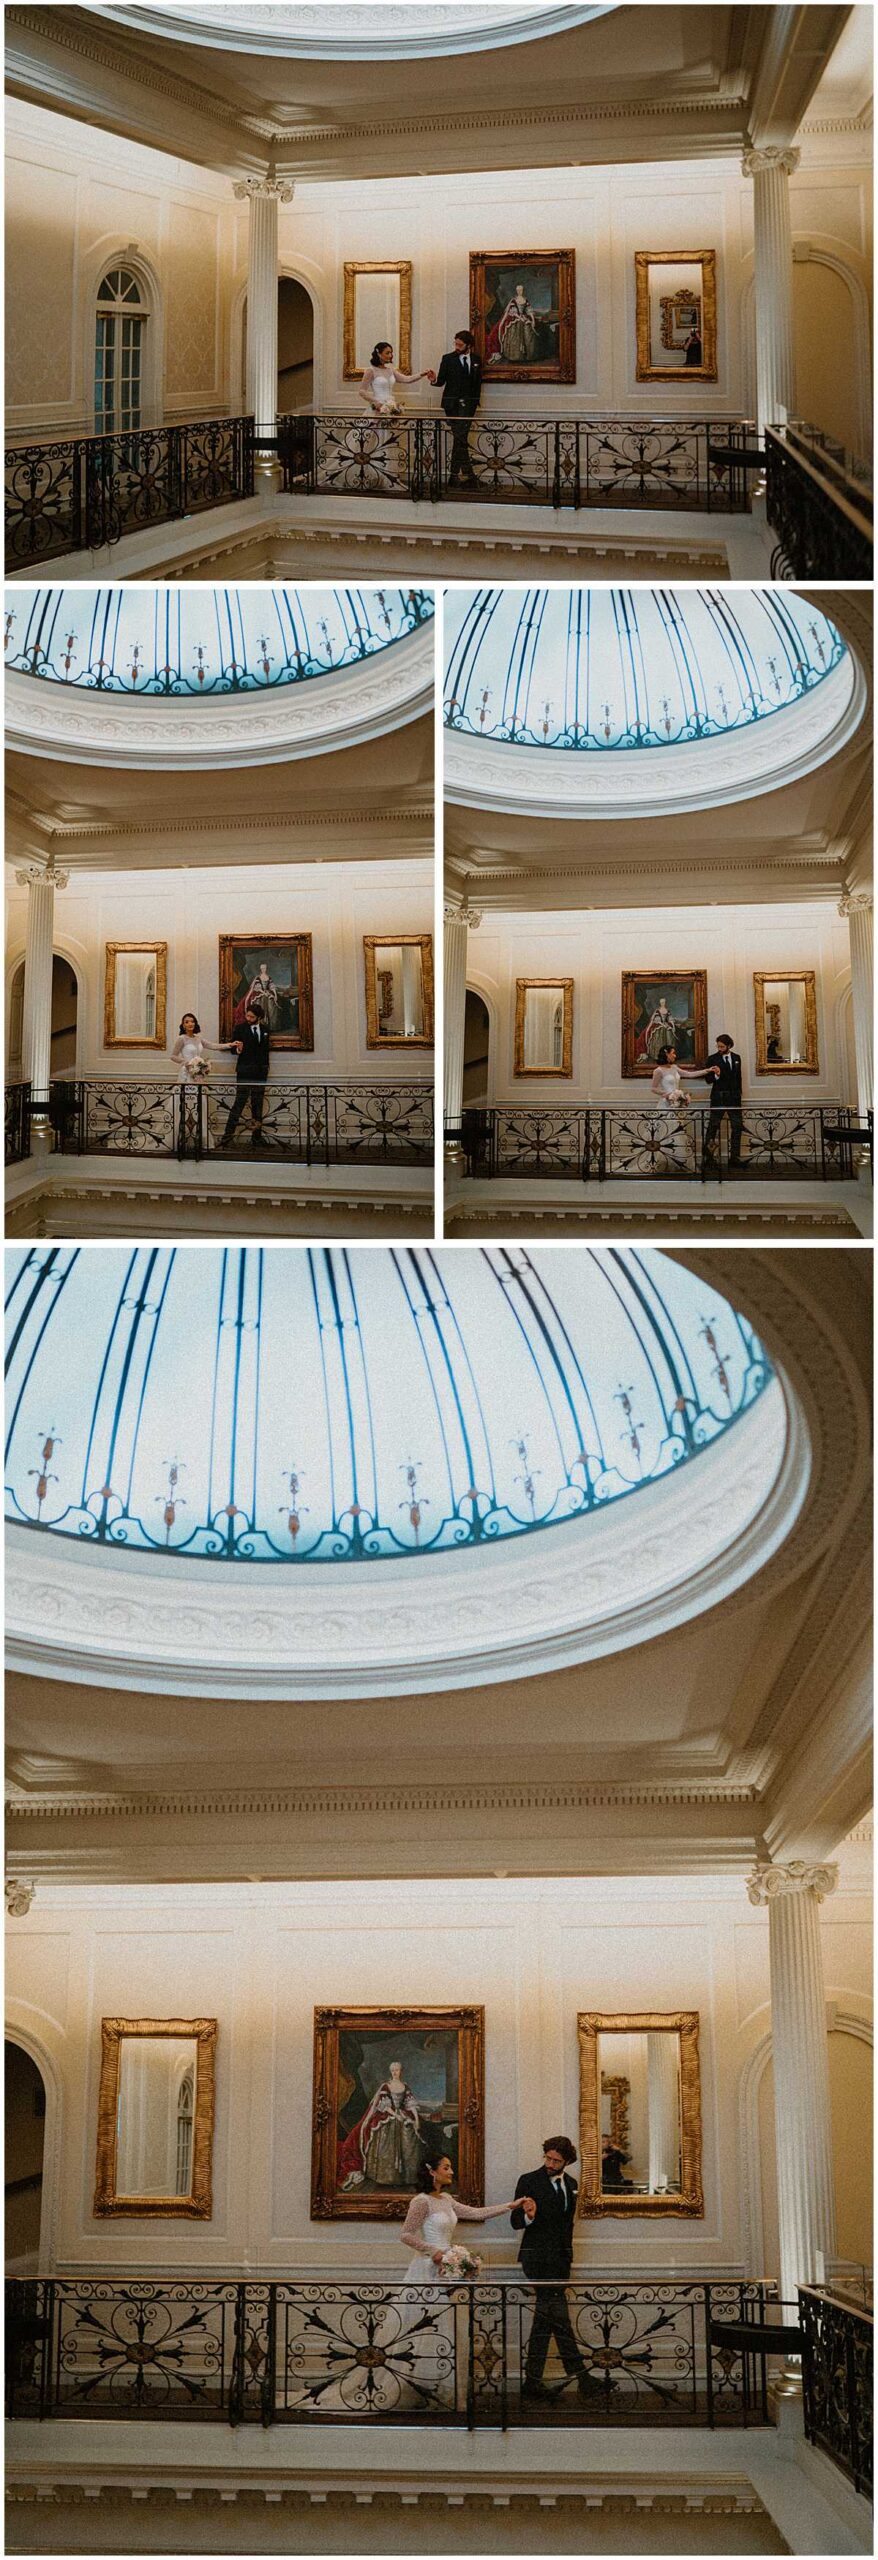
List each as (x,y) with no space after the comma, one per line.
(252,822)
(769,1884)
(304,1804)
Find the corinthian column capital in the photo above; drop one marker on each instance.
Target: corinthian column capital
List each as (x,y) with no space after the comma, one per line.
(772,1883)
(855,902)
(42,875)
(755,163)
(284,189)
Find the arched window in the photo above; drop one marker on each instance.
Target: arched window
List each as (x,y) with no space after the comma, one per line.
(119,352)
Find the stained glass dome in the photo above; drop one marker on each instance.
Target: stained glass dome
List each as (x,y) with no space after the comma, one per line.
(200,643)
(591,669)
(323,1407)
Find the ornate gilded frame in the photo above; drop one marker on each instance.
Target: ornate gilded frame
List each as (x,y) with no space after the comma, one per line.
(566,1066)
(706,260)
(593,2023)
(565,261)
(766,1066)
(376,1039)
(631,979)
(198,2206)
(114,1039)
(354,267)
(303,942)
(327,2203)
(617,2088)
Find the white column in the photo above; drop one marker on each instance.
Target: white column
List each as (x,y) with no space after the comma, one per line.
(663,2105)
(771,171)
(803,2131)
(41,881)
(264,195)
(457,923)
(856,905)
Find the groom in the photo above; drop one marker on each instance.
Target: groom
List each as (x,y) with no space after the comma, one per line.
(545,2216)
(726,1066)
(460,382)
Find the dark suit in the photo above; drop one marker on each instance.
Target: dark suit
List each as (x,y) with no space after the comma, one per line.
(460,382)
(546,2251)
(725,1098)
(250,1075)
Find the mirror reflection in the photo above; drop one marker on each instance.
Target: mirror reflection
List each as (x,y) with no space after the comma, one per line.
(786,1021)
(399,990)
(155,2115)
(544,1018)
(640,2113)
(377,312)
(676,316)
(135,994)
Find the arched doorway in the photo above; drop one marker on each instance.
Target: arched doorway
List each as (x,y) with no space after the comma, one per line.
(476,1050)
(65,1011)
(25,2133)
(295,347)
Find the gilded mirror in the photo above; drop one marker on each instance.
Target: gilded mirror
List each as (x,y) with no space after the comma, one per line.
(640,2113)
(155,2117)
(377,310)
(399,990)
(135,983)
(676,315)
(543,1026)
(786,1023)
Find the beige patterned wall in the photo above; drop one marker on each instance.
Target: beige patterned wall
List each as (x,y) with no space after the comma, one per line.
(41,227)
(190,274)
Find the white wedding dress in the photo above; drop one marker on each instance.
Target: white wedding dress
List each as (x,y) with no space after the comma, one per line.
(436,2232)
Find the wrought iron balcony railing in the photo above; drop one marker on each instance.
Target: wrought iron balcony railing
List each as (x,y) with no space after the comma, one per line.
(539,461)
(819,506)
(80,493)
(375,2351)
(777,1141)
(349,1122)
(837,2381)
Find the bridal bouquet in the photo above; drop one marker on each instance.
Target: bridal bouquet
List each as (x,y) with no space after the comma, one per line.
(199,1071)
(458,2264)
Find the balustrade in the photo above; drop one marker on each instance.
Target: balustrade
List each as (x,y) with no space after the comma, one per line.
(348,1122)
(782,1141)
(82,493)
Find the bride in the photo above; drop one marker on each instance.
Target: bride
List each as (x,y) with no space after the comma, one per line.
(667,1085)
(429,2230)
(379,381)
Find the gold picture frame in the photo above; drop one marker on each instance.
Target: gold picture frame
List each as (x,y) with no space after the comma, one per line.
(647,369)
(375,1037)
(596,2201)
(197,2206)
(565,987)
(337,2196)
(766,1066)
(354,267)
(114,1039)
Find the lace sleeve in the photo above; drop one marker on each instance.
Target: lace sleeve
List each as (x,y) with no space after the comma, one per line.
(413,2226)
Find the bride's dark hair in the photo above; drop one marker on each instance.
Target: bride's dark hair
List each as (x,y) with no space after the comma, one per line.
(662,1056)
(425,2181)
(190,1017)
(377,355)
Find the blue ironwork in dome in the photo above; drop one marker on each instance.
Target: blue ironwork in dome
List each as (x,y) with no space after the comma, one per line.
(331,1406)
(200,642)
(618,667)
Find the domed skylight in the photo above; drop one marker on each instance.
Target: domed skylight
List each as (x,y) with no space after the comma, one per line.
(368,28)
(589,669)
(200,643)
(329,1406)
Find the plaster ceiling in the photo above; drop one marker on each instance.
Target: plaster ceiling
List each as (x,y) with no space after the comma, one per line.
(638,82)
(334,806)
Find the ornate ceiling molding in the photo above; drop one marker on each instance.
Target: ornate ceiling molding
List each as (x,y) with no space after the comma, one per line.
(314,1803)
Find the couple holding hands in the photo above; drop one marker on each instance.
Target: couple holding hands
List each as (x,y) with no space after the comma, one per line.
(459,379)
(543,2209)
